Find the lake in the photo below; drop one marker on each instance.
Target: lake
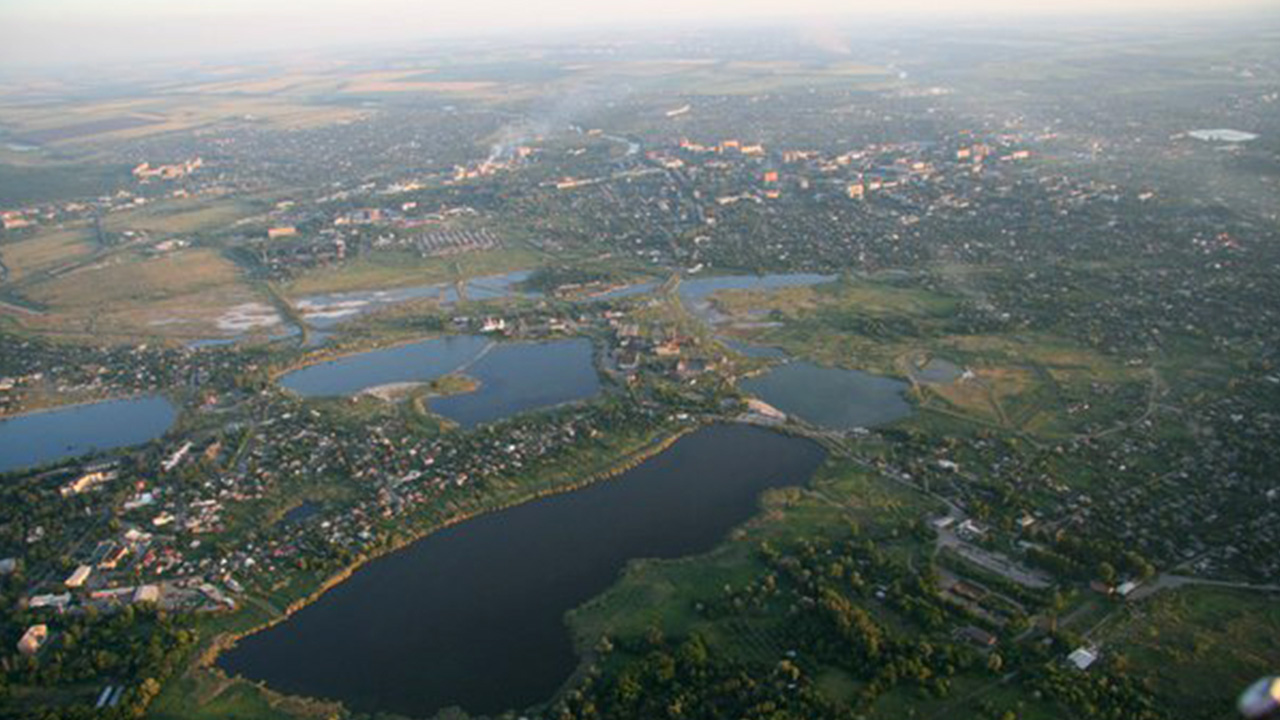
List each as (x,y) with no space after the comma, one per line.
(514,377)
(473,615)
(518,377)
(831,397)
(413,362)
(43,437)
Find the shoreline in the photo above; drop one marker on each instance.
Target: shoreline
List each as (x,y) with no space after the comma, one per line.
(206,660)
(86,403)
(321,357)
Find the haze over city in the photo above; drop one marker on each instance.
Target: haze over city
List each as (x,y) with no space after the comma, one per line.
(677,360)
(82,32)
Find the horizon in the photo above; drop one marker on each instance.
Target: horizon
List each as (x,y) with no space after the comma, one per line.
(61,35)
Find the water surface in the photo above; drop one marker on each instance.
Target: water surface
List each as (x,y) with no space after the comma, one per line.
(421,361)
(514,377)
(517,377)
(473,615)
(831,397)
(43,437)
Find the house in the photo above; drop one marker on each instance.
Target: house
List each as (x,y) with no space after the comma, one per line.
(86,482)
(78,578)
(33,639)
(58,602)
(670,348)
(977,636)
(1125,588)
(1082,657)
(113,557)
(147,593)
(282,231)
(967,591)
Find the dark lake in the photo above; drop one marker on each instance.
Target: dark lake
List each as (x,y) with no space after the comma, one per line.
(514,377)
(517,377)
(473,615)
(42,437)
(831,397)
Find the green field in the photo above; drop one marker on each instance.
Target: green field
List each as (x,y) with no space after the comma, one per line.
(401,269)
(1199,646)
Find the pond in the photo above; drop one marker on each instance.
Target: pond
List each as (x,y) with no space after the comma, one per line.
(42,437)
(473,615)
(831,397)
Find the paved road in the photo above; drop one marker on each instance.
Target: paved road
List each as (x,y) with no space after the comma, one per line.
(1169,581)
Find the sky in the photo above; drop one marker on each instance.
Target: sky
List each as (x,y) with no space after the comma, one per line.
(70,32)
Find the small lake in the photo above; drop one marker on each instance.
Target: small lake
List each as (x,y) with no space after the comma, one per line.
(42,437)
(514,377)
(831,397)
(473,615)
(301,513)
(325,311)
(937,371)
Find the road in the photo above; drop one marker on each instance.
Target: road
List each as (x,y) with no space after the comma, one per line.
(1170,581)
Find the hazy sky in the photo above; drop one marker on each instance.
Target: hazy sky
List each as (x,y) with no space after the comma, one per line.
(78,31)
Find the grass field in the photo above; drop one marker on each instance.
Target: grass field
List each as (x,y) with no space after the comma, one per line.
(1201,647)
(1026,382)
(665,593)
(46,250)
(123,281)
(395,269)
(181,217)
(127,295)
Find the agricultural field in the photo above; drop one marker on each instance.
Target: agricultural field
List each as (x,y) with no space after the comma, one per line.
(81,128)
